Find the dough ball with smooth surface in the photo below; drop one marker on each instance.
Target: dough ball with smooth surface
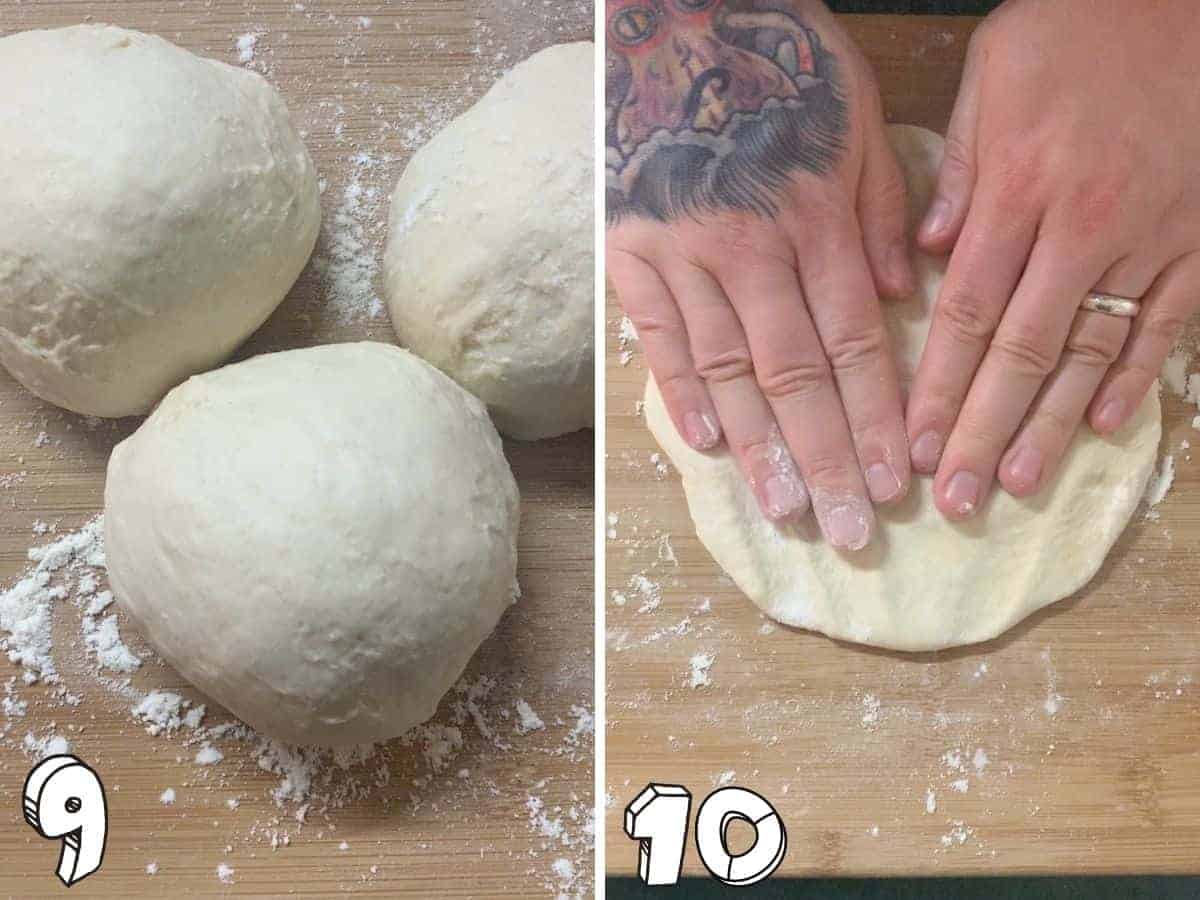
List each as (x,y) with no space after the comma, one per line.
(317,539)
(156,208)
(489,262)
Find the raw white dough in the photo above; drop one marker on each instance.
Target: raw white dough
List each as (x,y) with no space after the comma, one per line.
(924,583)
(317,539)
(489,263)
(155,208)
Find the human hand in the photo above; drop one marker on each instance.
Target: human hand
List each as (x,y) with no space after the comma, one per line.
(755,212)
(1072,165)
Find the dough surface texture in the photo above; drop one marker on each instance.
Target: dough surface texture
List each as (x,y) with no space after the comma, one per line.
(317,539)
(923,583)
(489,266)
(157,207)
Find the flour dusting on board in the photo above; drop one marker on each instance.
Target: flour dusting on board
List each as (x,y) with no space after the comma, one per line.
(65,574)
(73,650)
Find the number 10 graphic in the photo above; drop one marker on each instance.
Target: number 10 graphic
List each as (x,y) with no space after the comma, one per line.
(658,819)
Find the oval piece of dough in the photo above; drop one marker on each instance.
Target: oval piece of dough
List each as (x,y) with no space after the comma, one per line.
(924,583)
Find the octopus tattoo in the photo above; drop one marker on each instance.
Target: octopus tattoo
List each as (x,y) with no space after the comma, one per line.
(714,105)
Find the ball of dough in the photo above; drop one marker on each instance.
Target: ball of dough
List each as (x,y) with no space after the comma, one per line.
(489,262)
(156,207)
(924,583)
(317,539)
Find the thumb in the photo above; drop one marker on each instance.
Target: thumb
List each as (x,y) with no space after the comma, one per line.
(883,215)
(956,176)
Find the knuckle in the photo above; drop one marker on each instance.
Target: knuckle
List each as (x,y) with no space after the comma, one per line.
(1094,351)
(825,469)
(674,383)
(649,322)
(939,405)
(797,378)
(877,438)
(752,450)
(983,435)
(724,366)
(1025,352)
(854,351)
(1052,420)
(963,316)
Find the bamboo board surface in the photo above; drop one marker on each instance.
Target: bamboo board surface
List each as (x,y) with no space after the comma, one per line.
(1068,745)
(368,83)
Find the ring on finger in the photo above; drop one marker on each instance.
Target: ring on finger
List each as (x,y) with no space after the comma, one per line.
(1111,305)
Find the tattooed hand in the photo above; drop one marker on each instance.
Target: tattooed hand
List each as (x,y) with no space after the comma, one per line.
(1072,163)
(755,210)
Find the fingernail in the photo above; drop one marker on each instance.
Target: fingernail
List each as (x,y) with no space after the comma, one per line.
(1025,467)
(882,482)
(937,218)
(1111,415)
(701,430)
(846,527)
(785,496)
(962,493)
(926,451)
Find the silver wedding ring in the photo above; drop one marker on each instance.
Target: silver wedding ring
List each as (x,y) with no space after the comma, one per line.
(1111,305)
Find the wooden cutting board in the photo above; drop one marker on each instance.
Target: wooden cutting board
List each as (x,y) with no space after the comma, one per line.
(1068,745)
(368,82)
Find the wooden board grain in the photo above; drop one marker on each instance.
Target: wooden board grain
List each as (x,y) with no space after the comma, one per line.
(367,82)
(1068,745)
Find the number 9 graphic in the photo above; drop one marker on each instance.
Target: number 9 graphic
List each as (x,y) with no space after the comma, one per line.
(64,799)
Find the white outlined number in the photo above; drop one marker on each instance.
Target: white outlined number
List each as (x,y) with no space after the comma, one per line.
(658,819)
(64,800)
(722,807)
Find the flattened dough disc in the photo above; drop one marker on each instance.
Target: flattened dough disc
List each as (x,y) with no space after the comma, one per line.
(924,583)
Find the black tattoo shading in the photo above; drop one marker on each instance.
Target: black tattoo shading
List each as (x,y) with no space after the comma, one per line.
(714,105)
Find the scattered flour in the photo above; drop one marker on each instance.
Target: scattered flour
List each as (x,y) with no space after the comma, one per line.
(245,47)
(48,745)
(1174,372)
(103,638)
(25,608)
(1159,484)
(167,797)
(347,258)
(957,835)
(528,720)
(649,591)
(626,337)
(165,711)
(980,759)
(208,755)
(701,665)
(1054,700)
(870,714)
